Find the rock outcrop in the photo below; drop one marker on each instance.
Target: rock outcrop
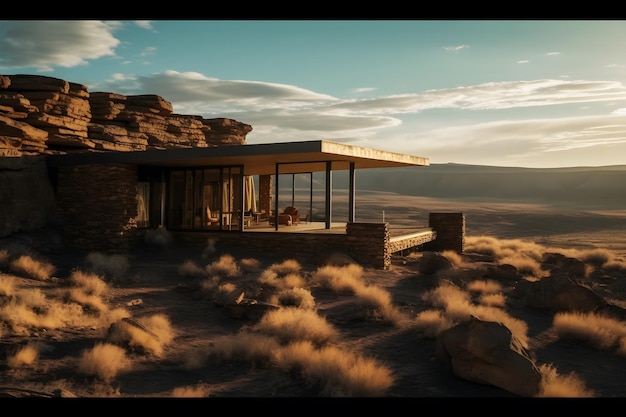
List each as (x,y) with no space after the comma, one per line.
(41,115)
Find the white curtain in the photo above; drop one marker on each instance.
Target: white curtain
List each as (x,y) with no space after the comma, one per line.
(250,194)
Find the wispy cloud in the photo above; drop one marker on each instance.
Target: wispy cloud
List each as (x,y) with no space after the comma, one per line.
(456,48)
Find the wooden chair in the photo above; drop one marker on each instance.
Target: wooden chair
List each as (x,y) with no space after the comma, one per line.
(293,212)
(210,219)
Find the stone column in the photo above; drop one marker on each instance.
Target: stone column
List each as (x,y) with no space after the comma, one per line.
(450,228)
(265,193)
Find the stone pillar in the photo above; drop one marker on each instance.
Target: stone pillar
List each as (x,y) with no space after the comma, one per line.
(265,194)
(368,243)
(450,229)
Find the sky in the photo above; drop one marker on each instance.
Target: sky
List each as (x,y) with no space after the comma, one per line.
(516,93)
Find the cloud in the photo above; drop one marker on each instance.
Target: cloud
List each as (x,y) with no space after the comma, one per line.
(456,48)
(44,44)
(144,24)
(528,142)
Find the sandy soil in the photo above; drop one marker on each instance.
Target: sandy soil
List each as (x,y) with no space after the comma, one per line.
(197,321)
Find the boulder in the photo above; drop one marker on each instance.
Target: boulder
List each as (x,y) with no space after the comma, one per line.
(486,352)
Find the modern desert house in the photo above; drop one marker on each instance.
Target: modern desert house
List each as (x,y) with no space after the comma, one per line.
(106,199)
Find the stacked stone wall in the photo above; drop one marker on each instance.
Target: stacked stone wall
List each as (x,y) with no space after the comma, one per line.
(97,205)
(366,243)
(450,229)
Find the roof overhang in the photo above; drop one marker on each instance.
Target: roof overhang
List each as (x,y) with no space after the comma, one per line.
(257,159)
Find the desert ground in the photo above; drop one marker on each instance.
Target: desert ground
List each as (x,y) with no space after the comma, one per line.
(169,321)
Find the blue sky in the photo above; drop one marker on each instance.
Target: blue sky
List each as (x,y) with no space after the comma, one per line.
(525,93)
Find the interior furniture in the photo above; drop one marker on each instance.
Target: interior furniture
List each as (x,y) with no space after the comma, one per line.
(284,219)
(211,218)
(293,212)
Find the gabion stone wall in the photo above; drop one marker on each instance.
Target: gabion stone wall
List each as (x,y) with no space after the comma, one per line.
(369,243)
(366,243)
(450,229)
(97,205)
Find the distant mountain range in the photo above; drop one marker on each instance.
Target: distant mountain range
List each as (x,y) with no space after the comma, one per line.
(576,187)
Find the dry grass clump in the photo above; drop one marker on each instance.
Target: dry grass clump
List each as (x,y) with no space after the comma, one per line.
(288,266)
(291,323)
(191,269)
(104,361)
(242,347)
(24,356)
(458,307)
(112,266)
(562,386)
(250,265)
(454,258)
(149,335)
(432,322)
(380,304)
(88,290)
(338,373)
(198,391)
(33,268)
(225,293)
(224,266)
(525,256)
(7,286)
(341,279)
(281,281)
(294,297)
(489,291)
(484,286)
(599,331)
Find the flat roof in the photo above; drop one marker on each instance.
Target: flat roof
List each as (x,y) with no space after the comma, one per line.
(257,159)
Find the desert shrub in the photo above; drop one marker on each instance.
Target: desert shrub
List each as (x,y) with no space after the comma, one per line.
(250,264)
(563,386)
(379,300)
(225,293)
(294,297)
(599,331)
(198,391)
(112,266)
(432,322)
(25,356)
(91,301)
(525,265)
(104,361)
(225,266)
(244,346)
(484,286)
(190,269)
(288,266)
(90,283)
(341,279)
(150,334)
(454,258)
(495,300)
(284,281)
(7,286)
(337,372)
(160,237)
(32,267)
(290,323)
(458,307)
